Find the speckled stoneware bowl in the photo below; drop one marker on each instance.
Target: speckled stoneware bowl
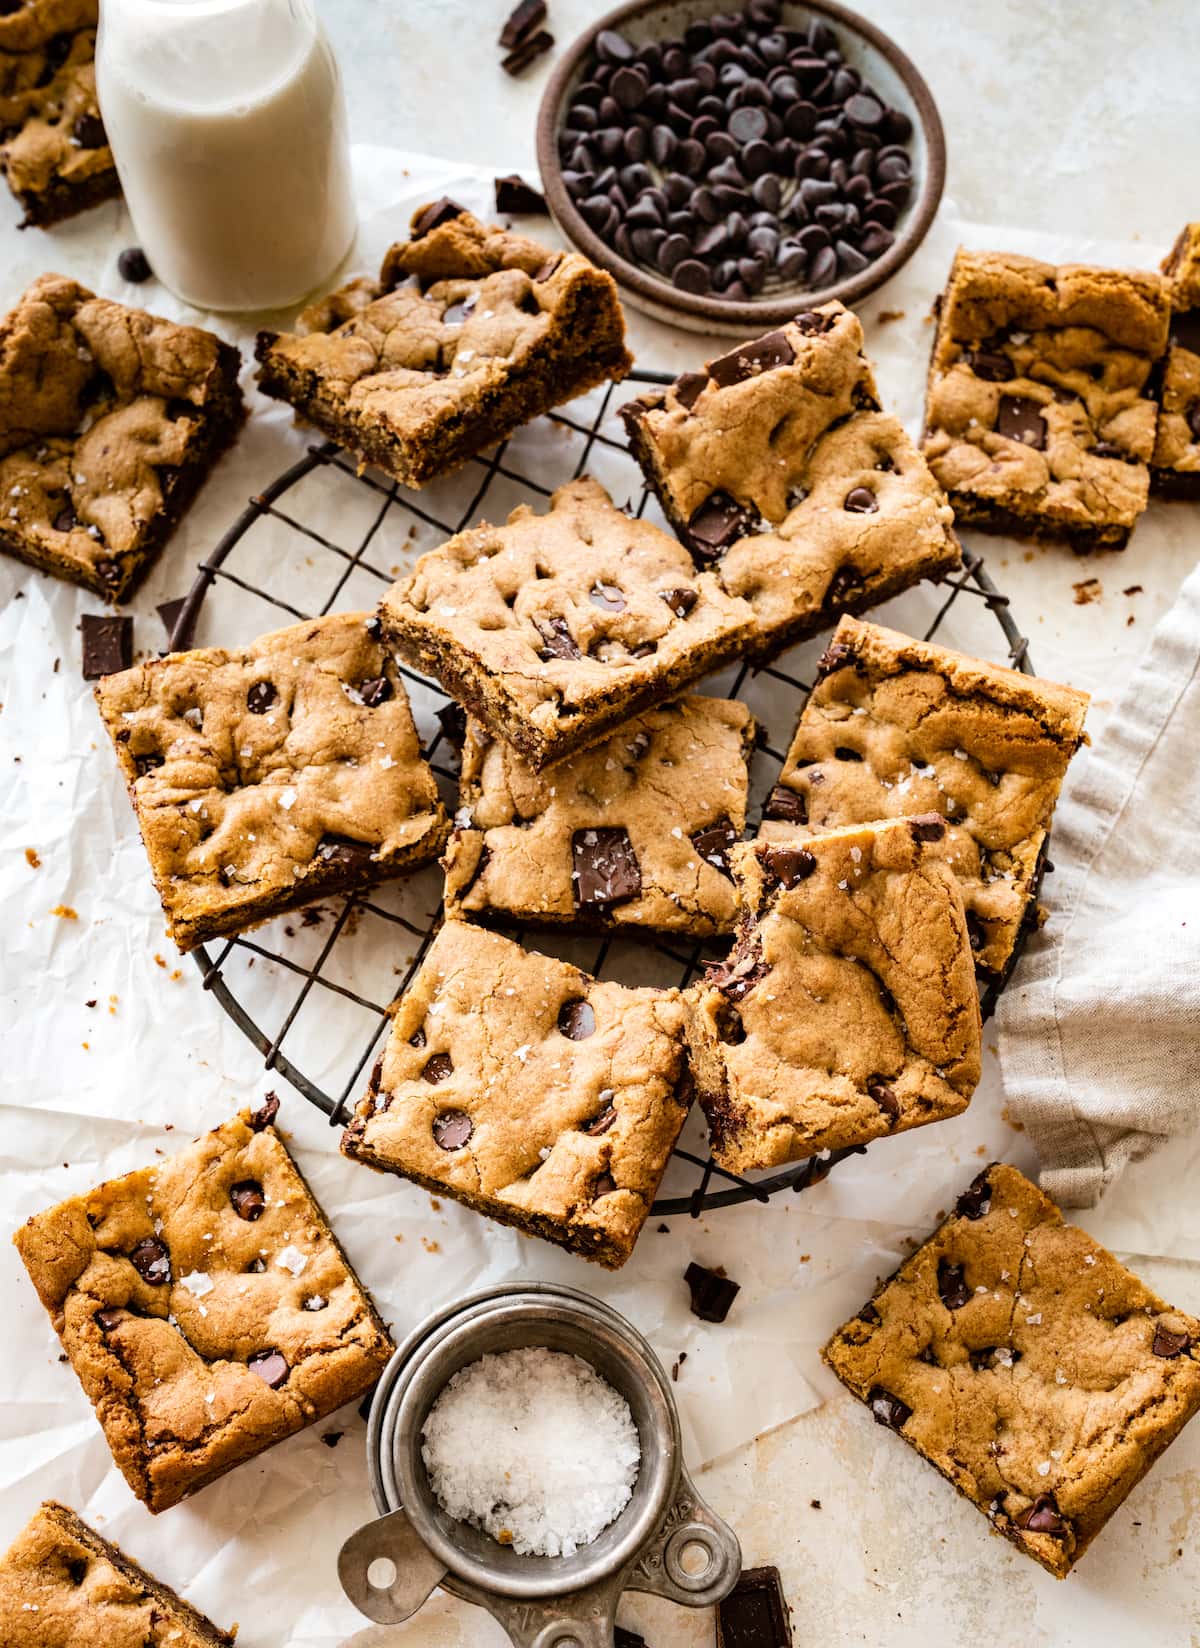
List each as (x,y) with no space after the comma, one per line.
(864,47)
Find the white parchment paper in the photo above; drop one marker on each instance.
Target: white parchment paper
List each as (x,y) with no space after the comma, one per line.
(113,1051)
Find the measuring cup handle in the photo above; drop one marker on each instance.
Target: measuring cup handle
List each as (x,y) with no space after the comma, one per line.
(559,1625)
(412,1571)
(691,1526)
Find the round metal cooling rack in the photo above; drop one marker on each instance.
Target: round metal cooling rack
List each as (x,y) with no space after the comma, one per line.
(686,958)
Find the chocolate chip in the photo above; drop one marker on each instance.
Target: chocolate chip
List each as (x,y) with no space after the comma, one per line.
(109,1319)
(134,266)
(607,597)
(434,215)
(680,601)
(860,500)
(576,1019)
(835,655)
(248,1200)
(751,359)
(888,1409)
(755,1613)
(712,1292)
(152,1261)
(952,1285)
(713,844)
(870,1314)
(739,973)
(89,132)
(344,854)
(990,365)
(605,868)
(689,388)
(1168,1344)
(1020,419)
(270,1366)
(260,697)
(376,691)
(516,197)
(452,1129)
(786,806)
(557,640)
(845,585)
(107,644)
(452,719)
(884,1097)
(417,1039)
(976,1199)
(66,519)
(604,1186)
(716,524)
(603,1120)
(1043,1517)
(787,865)
(928,827)
(690,275)
(527,16)
(437,1069)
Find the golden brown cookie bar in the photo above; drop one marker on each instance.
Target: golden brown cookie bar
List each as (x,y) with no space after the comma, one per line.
(1020,1358)
(847,1008)
(267,776)
(110,420)
(469,333)
(1039,418)
(205,1306)
(555,628)
(634,832)
(55,155)
(778,468)
(896,726)
(1176,465)
(63,1586)
(531,1092)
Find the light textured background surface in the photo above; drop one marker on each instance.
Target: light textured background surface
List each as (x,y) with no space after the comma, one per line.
(1065,119)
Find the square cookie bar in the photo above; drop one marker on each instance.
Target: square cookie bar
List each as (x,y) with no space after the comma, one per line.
(267,776)
(62,1585)
(847,1009)
(529,1091)
(1039,417)
(468,333)
(110,420)
(895,726)
(554,628)
(55,154)
(1023,1360)
(1176,465)
(205,1306)
(633,833)
(779,470)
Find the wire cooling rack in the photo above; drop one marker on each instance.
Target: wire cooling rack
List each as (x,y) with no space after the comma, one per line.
(306,546)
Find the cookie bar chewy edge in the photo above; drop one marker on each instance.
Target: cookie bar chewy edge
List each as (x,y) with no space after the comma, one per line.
(527,1090)
(205,1306)
(1175,468)
(632,833)
(470,332)
(847,1008)
(1025,1363)
(896,726)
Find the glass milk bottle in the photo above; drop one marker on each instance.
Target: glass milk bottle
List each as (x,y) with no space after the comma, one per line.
(228,126)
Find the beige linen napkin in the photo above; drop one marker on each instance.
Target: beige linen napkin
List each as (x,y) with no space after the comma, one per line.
(1100,1027)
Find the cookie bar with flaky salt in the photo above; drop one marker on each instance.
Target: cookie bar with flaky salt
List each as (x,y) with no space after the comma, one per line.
(530,1091)
(780,471)
(269,775)
(1024,1361)
(1175,467)
(205,1306)
(847,1008)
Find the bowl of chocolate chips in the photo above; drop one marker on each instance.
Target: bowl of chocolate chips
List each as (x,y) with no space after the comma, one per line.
(729,166)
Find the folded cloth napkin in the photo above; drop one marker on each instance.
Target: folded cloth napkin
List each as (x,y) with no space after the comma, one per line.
(1100,1028)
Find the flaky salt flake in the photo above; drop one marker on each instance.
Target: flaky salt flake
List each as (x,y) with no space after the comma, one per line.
(856,855)
(1044,1468)
(1060,1377)
(291,1258)
(197,1282)
(1089,1258)
(522,1052)
(844,886)
(961,755)
(287,798)
(1035,1321)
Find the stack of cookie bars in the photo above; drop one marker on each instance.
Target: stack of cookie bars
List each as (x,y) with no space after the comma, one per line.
(205,1304)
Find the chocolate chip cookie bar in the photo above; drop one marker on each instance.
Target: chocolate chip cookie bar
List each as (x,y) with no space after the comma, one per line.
(205,1306)
(554,628)
(1175,471)
(895,726)
(632,833)
(62,1585)
(468,333)
(847,1008)
(780,471)
(55,154)
(1039,416)
(1027,1364)
(529,1091)
(110,420)
(266,776)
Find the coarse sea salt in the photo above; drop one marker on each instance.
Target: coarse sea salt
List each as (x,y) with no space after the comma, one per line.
(534,1447)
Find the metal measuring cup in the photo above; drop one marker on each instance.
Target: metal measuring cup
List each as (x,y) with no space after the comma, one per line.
(666,1541)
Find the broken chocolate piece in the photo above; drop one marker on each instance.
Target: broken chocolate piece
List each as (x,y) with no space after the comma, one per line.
(748,360)
(527,52)
(517,198)
(712,1293)
(888,1409)
(1168,1344)
(557,640)
(605,867)
(713,844)
(522,20)
(754,1614)
(151,1261)
(785,806)
(976,1199)
(435,214)
(107,644)
(265,1115)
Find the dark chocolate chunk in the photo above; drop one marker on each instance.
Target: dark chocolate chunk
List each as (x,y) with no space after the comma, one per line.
(952,1284)
(452,719)
(66,519)
(755,1613)
(134,266)
(689,388)
(88,131)
(869,1313)
(884,1097)
(785,806)
(1043,1517)
(835,655)
(557,640)
(976,1199)
(520,199)
(604,1119)
(712,1292)
(1020,419)
(435,214)
(266,1113)
(169,612)
(376,691)
(713,844)
(152,1261)
(107,644)
(343,853)
(888,1409)
(749,359)
(860,500)
(927,827)
(438,1068)
(1168,1344)
(248,1200)
(270,1366)
(109,1319)
(529,50)
(680,601)
(716,524)
(990,365)
(739,973)
(522,20)
(576,1019)
(787,865)
(452,1129)
(605,868)
(260,697)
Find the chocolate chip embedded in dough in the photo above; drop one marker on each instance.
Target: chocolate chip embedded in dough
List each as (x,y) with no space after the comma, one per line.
(343,853)
(604,1186)
(109,1319)
(1020,419)
(604,1119)
(976,1199)
(435,214)
(152,1261)
(884,1097)
(605,867)
(270,1366)
(952,1285)
(248,1200)
(713,844)
(261,696)
(928,827)
(452,1129)
(1168,1344)
(785,806)
(990,365)
(680,601)
(437,1069)
(788,865)
(689,388)
(888,1409)
(88,131)
(718,522)
(749,360)
(576,1019)
(375,691)
(739,973)
(845,585)
(860,500)
(1043,1517)
(557,640)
